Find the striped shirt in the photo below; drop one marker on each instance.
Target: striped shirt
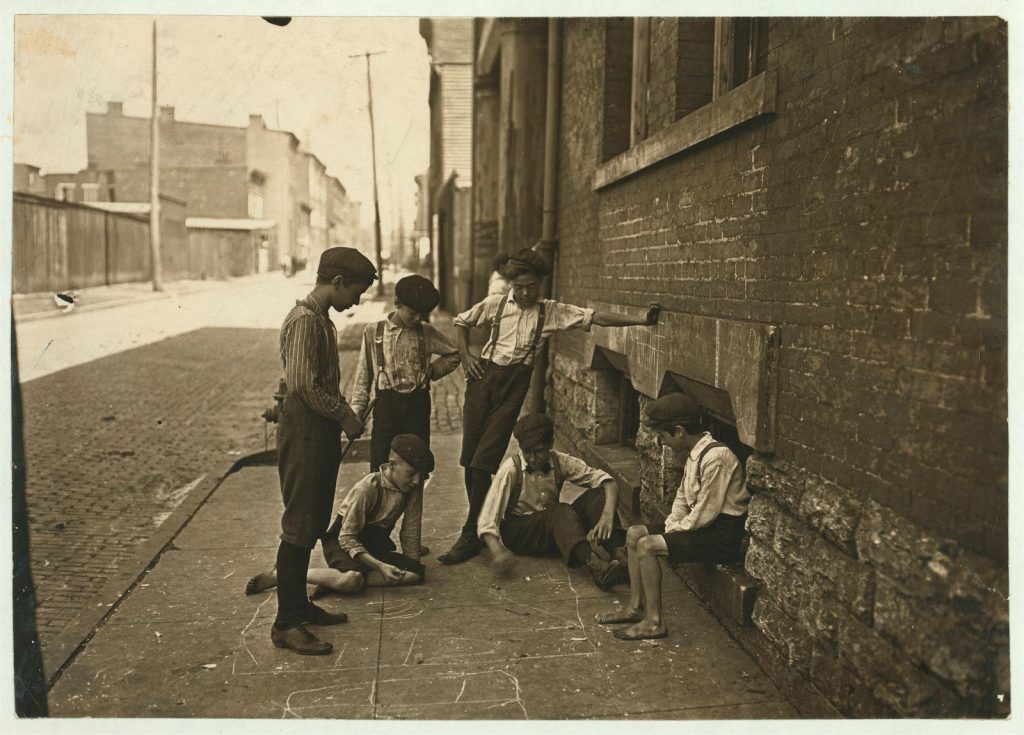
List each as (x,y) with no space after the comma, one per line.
(403,363)
(722,488)
(375,500)
(518,326)
(309,354)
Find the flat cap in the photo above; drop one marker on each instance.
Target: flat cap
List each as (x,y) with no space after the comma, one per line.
(347,262)
(529,259)
(413,450)
(677,408)
(417,293)
(534,429)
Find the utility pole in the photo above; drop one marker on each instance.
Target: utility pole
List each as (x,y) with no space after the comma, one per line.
(373,153)
(154,183)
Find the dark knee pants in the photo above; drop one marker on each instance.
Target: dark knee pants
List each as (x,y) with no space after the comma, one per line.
(308,457)
(377,541)
(557,529)
(490,410)
(397,413)
(720,542)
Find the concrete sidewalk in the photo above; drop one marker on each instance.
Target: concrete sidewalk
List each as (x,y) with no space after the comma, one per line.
(186,641)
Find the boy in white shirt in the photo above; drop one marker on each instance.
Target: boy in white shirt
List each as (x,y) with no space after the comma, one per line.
(706,523)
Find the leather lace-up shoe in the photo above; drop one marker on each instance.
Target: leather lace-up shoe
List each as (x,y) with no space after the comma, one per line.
(464,549)
(316,615)
(300,640)
(607,574)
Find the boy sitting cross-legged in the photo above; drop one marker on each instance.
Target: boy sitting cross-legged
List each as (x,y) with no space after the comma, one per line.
(360,551)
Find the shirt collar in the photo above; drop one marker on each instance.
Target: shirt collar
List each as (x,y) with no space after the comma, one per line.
(385,481)
(528,471)
(705,439)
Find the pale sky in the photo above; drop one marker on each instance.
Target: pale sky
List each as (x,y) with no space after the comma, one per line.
(221,69)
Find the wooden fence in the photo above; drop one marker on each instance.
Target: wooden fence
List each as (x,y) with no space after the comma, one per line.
(59,246)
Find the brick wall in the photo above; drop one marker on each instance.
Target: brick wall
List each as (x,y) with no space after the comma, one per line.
(867,219)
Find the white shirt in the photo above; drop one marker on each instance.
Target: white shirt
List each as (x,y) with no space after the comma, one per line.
(535,485)
(518,326)
(722,488)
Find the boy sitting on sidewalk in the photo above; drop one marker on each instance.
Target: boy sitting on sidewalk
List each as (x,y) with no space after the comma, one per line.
(706,522)
(522,511)
(360,551)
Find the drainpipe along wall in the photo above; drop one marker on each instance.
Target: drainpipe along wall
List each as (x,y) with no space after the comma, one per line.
(549,221)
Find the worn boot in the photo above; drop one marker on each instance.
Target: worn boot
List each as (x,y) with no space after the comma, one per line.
(464,549)
(607,574)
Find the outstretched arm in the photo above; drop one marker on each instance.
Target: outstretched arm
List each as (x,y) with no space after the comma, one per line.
(611,319)
(603,530)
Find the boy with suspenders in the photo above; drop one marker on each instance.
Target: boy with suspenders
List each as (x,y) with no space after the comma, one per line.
(707,519)
(523,512)
(498,379)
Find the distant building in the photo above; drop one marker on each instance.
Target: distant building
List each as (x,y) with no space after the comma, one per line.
(225,172)
(450,45)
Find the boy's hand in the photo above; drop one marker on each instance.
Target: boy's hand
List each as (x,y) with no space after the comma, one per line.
(601,532)
(391,574)
(353,428)
(471,364)
(652,314)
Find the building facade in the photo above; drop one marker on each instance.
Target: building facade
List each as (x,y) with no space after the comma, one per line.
(820,206)
(227,172)
(449,178)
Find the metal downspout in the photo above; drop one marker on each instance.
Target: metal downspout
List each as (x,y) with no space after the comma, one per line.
(549,222)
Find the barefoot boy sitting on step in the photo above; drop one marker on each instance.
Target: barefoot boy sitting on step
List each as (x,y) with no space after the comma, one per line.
(706,522)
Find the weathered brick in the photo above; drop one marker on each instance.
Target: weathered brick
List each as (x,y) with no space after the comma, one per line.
(833,511)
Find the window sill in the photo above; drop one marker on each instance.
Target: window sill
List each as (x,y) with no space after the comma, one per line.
(750,100)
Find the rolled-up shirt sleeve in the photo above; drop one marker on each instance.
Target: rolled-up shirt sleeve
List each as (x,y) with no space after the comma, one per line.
(448,359)
(579,473)
(679,508)
(363,381)
(496,502)
(479,313)
(563,317)
(356,516)
(304,351)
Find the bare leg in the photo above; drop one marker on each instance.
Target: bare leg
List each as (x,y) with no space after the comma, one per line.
(653,624)
(634,612)
(335,581)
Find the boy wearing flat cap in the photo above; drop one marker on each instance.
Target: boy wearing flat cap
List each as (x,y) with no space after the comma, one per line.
(394,363)
(706,522)
(313,415)
(363,555)
(497,380)
(523,511)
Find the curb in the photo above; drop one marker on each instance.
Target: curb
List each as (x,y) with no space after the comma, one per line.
(61,652)
(38,315)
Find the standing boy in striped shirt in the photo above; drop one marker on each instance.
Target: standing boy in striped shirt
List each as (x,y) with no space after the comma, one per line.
(497,380)
(313,415)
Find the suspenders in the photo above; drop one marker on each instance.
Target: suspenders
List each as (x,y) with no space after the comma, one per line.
(378,343)
(537,335)
(517,486)
(704,451)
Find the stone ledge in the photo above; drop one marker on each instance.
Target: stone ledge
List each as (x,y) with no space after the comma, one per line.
(748,101)
(726,587)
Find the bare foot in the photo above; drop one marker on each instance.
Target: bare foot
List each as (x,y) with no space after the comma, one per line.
(260,582)
(641,631)
(626,615)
